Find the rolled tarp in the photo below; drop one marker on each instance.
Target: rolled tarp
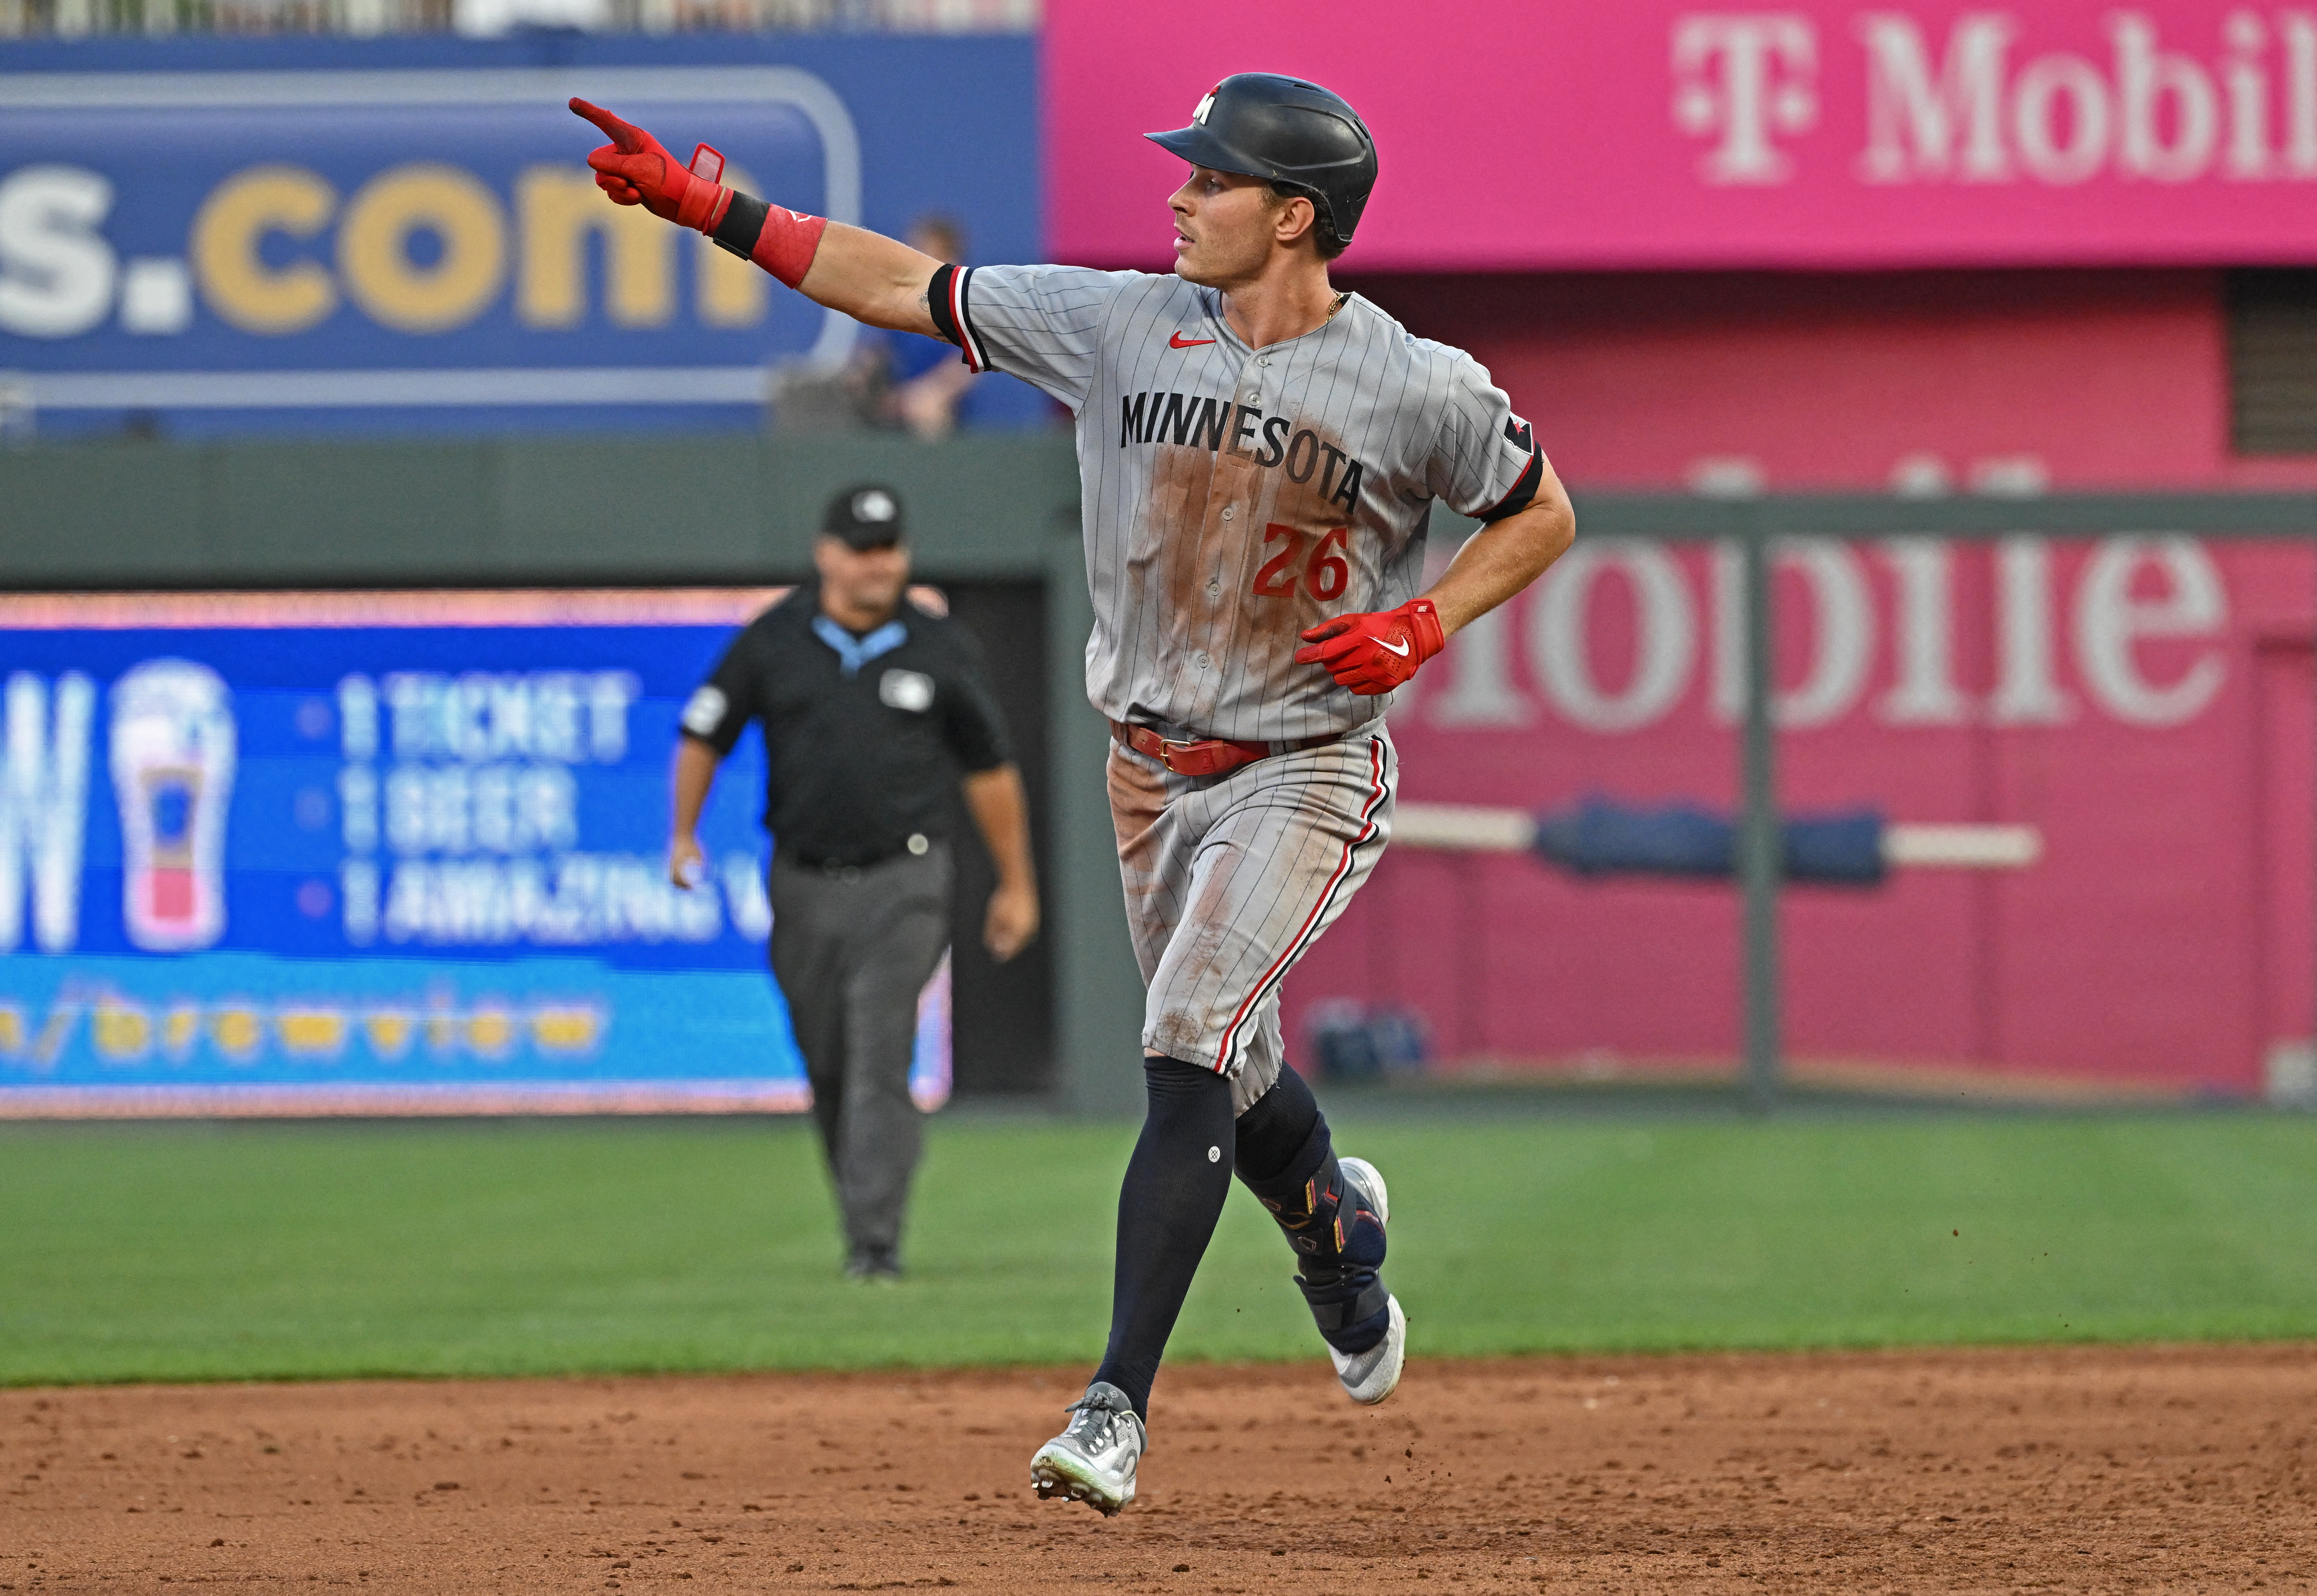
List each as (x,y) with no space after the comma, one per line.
(1597,838)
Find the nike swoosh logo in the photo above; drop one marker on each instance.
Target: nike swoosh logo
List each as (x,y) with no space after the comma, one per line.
(1387,648)
(1179,342)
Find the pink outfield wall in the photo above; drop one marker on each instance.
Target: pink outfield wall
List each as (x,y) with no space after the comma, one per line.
(2151,710)
(1816,133)
(2147,703)
(2086,380)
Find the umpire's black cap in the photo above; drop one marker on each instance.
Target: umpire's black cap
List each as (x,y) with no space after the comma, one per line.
(1295,133)
(867,515)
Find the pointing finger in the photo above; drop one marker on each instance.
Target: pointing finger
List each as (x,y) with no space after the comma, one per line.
(627,138)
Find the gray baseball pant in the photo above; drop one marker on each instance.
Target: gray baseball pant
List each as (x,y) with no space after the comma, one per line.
(852,948)
(1231,879)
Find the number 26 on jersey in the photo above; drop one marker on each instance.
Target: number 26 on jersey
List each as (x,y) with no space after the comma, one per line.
(1315,561)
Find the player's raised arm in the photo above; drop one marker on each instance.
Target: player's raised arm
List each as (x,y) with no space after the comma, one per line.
(866,276)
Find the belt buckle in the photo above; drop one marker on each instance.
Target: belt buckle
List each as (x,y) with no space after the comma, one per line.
(1204,757)
(1167,753)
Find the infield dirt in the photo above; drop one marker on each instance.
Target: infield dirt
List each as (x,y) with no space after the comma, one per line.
(2074,1469)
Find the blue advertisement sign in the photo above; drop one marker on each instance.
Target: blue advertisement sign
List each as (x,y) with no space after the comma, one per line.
(379,854)
(373,240)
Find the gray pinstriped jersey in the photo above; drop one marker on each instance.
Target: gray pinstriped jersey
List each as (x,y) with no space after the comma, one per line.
(1234,496)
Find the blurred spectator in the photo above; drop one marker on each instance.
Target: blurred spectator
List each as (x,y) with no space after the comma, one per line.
(489,18)
(927,381)
(75,18)
(896,380)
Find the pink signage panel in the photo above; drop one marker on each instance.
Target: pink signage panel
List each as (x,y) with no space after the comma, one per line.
(2144,702)
(1649,133)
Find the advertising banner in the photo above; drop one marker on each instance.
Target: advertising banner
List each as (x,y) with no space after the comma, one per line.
(366,243)
(2143,703)
(379,854)
(1651,134)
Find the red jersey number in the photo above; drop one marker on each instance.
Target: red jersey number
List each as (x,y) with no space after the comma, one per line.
(1317,564)
(1277,579)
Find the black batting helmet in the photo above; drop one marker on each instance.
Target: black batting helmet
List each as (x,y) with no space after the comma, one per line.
(1295,133)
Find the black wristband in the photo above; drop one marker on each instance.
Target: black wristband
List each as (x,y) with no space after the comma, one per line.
(937,302)
(743,224)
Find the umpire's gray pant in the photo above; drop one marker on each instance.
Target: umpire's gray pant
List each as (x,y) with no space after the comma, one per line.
(852,949)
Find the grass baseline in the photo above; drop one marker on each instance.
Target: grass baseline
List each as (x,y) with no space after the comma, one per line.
(215,1252)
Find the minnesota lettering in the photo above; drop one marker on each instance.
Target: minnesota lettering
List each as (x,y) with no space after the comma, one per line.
(1192,421)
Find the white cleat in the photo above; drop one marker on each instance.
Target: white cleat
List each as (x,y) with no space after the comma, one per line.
(1094,1460)
(1373,1375)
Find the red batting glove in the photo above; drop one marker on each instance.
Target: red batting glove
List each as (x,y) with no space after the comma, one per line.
(635,169)
(1376,651)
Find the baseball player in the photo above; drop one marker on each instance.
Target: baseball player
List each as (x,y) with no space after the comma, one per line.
(1259,455)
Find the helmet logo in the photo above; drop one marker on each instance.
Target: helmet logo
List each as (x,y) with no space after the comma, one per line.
(1205,105)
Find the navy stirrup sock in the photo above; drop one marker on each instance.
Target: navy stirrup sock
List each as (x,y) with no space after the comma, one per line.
(1168,1205)
(1288,1160)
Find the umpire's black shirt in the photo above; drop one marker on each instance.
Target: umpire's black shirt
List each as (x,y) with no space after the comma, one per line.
(864,752)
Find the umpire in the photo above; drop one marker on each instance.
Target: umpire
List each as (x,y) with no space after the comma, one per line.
(872,707)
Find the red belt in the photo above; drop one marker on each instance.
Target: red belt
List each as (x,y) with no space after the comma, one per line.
(1210,756)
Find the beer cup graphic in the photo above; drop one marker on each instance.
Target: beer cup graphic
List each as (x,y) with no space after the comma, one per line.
(173,763)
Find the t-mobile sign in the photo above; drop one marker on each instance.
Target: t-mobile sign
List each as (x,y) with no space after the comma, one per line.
(1653,133)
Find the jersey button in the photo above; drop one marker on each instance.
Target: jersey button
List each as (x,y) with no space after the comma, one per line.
(1203,662)
(1227,512)
(1214,587)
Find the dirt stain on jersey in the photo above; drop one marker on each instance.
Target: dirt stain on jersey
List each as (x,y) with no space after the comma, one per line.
(1166,596)
(1163,552)
(1286,580)
(1242,590)
(1184,536)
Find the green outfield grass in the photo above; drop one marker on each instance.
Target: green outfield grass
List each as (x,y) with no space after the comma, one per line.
(144,1253)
